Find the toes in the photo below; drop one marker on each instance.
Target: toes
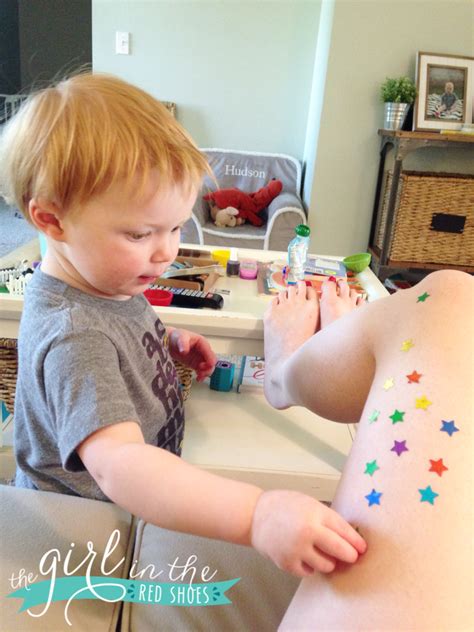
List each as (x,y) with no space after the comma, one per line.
(354,296)
(343,288)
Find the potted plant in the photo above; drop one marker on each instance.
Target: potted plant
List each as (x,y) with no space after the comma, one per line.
(398,95)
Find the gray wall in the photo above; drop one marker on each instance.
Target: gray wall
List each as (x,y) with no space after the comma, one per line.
(10,80)
(55,37)
(240,71)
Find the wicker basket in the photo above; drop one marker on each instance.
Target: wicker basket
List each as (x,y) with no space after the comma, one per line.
(9,370)
(434,219)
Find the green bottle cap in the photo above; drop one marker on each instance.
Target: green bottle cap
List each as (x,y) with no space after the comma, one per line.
(302,230)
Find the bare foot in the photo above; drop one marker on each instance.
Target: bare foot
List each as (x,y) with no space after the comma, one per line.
(336,300)
(289,321)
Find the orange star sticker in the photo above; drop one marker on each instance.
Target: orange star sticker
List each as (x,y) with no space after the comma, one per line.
(437,466)
(414,377)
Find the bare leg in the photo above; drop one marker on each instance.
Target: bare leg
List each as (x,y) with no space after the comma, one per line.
(407,483)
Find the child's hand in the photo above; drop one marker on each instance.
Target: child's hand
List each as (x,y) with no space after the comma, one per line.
(301,535)
(192,350)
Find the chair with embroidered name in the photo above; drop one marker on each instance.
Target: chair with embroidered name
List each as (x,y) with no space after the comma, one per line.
(249,172)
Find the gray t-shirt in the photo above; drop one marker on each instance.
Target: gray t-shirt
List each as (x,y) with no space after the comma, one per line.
(85,363)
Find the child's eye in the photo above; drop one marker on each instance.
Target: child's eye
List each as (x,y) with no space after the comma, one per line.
(176,228)
(138,236)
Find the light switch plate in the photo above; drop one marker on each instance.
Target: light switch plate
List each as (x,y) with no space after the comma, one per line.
(122,43)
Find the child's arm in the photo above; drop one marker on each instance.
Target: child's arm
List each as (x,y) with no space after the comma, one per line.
(297,532)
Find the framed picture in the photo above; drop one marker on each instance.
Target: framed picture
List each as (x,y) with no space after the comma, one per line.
(445,92)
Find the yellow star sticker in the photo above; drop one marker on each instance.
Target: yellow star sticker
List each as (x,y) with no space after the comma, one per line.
(388,384)
(407,345)
(423,402)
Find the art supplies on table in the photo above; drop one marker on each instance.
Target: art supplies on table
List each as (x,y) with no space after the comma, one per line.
(251,374)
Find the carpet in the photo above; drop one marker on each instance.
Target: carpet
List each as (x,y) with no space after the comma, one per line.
(14,229)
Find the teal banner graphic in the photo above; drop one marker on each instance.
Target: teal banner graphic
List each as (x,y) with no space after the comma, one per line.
(114,589)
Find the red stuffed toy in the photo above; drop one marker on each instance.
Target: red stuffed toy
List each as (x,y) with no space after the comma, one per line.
(248,204)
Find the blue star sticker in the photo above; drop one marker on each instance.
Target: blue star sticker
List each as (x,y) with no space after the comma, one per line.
(373,498)
(449,427)
(427,495)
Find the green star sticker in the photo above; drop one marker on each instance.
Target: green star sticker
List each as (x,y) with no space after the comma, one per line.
(397,416)
(371,468)
(422,298)
(374,415)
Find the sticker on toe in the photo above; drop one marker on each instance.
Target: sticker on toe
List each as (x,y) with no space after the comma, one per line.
(414,377)
(397,416)
(407,345)
(388,384)
(399,447)
(423,402)
(371,467)
(374,498)
(422,298)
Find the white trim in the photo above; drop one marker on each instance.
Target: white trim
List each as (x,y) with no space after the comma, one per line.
(284,209)
(219,233)
(263,153)
(198,228)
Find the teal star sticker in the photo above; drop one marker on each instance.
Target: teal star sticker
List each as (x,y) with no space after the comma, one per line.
(428,495)
(422,298)
(371,468)
(397,416)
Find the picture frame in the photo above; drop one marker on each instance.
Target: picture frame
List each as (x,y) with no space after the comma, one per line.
(445,92)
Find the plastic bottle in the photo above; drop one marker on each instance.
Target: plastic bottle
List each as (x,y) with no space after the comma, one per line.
(297,250)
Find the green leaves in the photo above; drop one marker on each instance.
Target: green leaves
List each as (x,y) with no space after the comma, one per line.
(401,90)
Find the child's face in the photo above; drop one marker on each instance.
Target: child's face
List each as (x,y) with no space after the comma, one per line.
(115,246)
(449,87)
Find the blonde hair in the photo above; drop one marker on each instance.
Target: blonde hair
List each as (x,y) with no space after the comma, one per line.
(72,141)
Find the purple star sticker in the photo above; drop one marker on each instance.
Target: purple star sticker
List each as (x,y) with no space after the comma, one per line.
(399,447)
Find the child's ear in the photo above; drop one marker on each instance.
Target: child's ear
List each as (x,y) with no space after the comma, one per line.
(46,216)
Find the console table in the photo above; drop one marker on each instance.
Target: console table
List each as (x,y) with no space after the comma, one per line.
(403,143)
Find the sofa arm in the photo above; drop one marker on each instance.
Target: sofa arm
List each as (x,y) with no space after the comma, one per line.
(284,214)
(285,200)
(35,522)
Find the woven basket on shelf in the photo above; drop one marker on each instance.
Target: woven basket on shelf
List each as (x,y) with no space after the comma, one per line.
(9,370)
(428,207)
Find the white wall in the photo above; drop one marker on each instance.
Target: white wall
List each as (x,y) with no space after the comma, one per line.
(372,39)
(239,71)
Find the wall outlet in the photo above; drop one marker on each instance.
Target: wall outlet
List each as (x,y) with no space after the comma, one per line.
(122,43)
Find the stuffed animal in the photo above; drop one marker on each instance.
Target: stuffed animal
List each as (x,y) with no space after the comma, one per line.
(247,204)
(224,217)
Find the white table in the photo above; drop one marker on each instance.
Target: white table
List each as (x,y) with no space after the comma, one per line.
(239,434)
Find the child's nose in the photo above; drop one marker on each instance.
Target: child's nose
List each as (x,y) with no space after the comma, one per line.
(163,252)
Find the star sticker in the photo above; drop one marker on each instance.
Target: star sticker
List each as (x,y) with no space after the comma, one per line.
(449,427)
(399,447)
(374,415)
(422,298)
(374,498)
(427,495)
(371,468)
(423,402)
(388,384)
(397,416)
(414,377)
(438,466)
(407,345)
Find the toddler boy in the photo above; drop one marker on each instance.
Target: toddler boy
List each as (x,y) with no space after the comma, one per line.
(109,177)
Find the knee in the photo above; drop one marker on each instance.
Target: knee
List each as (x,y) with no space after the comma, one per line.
(449,284)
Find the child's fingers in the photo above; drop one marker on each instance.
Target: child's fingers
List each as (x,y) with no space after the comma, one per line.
(336,523)
(334,545)
(319,561)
